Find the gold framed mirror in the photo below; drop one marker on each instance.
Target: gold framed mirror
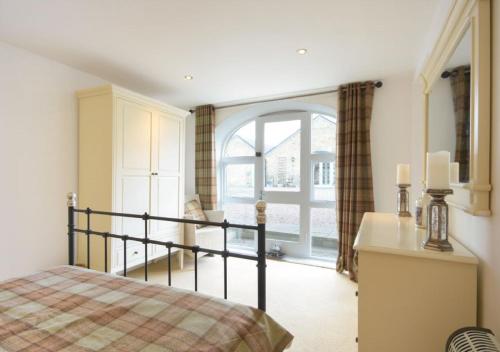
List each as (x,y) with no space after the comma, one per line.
(457,103)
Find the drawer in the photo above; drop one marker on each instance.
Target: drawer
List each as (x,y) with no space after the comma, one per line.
(135,254)
(118,244)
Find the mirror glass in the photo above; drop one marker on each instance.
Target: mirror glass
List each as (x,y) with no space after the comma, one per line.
(449,110)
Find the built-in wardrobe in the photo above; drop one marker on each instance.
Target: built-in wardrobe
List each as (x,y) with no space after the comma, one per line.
(131,160)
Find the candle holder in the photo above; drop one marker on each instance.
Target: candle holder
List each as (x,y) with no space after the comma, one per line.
(403,201)
(437,221)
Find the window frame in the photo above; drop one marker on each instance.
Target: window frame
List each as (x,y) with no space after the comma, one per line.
(307,161)
(237,160)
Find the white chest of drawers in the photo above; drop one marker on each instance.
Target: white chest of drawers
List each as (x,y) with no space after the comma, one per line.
(410,299)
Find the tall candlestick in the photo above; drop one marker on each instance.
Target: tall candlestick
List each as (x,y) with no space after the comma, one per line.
(438,170)
(437,221)
(403,174)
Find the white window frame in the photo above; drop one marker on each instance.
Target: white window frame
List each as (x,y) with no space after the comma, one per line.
(304,198)
(235,160)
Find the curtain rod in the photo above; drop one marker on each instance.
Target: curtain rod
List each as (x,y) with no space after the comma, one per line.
(376,84)
(448,73)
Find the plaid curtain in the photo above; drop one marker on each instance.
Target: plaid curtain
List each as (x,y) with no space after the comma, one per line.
(205,173)
(354,168)
(460,86)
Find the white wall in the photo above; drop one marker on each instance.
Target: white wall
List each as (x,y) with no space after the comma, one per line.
(480,234)
(390,132)
(38,155)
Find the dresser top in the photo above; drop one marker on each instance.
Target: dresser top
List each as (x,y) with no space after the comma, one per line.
(388,233)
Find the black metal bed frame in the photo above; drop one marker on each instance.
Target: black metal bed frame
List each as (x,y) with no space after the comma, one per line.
(260,258)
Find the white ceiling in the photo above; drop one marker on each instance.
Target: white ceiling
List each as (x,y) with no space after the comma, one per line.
(235,49)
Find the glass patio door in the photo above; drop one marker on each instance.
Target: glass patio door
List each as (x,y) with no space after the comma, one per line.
(287,159)
(283,178)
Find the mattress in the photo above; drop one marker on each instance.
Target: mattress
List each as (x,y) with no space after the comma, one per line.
(73,309)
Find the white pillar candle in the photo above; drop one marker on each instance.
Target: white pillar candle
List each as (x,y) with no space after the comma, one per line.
(454,172)
(403,174)
(438,170)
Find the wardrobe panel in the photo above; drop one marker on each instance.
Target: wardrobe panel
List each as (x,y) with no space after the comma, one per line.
(169,143)
(136,143)
(135,200)
(168,203)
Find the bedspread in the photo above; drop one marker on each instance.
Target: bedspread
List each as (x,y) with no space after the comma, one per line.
(74,309)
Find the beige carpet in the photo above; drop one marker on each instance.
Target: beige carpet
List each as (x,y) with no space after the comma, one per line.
(317,305)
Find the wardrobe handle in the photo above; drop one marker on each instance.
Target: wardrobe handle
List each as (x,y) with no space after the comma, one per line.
(154,174)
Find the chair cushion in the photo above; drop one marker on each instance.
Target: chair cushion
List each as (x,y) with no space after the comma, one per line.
(193,208)
(211,237)
(210,231)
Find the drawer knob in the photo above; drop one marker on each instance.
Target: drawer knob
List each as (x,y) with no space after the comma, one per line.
(357,294)
(135,253)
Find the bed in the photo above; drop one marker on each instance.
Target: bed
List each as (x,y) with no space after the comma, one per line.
(68,308)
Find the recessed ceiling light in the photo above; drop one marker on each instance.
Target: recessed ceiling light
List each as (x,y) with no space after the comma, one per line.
(188,77)
(301,51)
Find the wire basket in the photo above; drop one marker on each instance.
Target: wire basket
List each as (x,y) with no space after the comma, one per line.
(472,339)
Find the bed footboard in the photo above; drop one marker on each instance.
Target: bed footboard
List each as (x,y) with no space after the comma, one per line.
(260,256)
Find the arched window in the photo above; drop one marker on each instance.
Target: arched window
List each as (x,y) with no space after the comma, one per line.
(288,159)
(242,142)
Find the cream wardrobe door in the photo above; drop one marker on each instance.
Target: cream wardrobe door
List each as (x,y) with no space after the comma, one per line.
(133,167)
(167,182)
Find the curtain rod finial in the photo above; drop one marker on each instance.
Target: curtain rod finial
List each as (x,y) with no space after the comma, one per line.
(445,74)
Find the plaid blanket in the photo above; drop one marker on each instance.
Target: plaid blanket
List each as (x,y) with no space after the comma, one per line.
(73,309)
